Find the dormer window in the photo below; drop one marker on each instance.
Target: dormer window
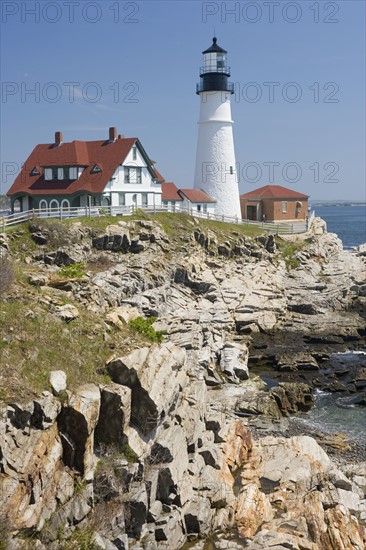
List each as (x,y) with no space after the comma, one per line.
(96,169)
(62,173)
(35,172)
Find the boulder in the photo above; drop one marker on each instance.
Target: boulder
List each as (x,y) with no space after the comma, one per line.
(58,381)
(68,312)
(122,315)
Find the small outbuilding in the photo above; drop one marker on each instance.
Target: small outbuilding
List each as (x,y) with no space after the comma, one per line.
(274,203)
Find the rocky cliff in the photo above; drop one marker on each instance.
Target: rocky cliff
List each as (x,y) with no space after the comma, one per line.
(161,448)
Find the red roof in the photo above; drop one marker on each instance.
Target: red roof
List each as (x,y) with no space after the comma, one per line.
(273,192)
(106,154)
(196,195)
(170,192)
(160,178)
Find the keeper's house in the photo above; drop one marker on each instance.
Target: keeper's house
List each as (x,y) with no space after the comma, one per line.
(191,200)
(116,171)
(274,203)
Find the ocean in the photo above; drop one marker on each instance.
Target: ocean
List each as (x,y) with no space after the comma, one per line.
(349,222)
(329,413)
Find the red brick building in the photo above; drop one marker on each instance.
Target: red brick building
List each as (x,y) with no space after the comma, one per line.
(274,203)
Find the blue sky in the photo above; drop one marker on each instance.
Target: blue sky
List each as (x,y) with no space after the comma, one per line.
(298,69)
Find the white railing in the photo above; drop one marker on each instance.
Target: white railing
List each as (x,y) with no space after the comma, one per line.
(94,211)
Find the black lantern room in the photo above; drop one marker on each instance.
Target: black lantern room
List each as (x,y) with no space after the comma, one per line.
(215,71)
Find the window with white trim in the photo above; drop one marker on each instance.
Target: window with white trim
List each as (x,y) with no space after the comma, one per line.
(284,207)
(121,199)
(144,199)
(127,173)
(133,174)
(204,208)
(134,153)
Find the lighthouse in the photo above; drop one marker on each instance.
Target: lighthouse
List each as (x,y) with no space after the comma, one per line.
(215,171)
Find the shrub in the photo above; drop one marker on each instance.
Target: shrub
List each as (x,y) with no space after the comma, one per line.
(73,271)
(144,326)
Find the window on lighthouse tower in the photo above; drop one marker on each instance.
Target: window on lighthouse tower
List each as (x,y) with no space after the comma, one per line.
(220,61)
(214,62)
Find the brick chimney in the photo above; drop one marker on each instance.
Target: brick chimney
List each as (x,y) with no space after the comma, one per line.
(58,138)
(121,136)
(112,134)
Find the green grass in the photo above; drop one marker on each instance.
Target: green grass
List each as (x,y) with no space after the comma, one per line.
(35,341)
(287,251)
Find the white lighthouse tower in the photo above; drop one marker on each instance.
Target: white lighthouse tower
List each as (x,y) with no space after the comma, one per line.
(215,159)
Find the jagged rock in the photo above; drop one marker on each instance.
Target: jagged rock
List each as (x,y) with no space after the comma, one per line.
(293,397)
(234,361)
(58,380)
(114,416)
(197,515)
(224,250)
(259,403)
(155,376)
(76,424)
(45,411)
(32,466)
(116,239)
(182,277)
(40,238)
(136,503)
(296,361)
(305,308)
(287,467)
(136,246)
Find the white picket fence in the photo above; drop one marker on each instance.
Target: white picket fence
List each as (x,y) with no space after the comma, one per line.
(96,211)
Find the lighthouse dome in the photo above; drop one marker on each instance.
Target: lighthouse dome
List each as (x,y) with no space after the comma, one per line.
(214,47)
